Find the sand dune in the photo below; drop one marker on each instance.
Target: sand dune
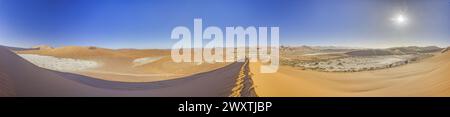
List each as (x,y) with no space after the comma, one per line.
(161,77)
(6,88)
(25,79)
(126,65)
(429,77)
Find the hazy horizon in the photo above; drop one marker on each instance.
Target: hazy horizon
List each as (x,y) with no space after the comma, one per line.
(323,46)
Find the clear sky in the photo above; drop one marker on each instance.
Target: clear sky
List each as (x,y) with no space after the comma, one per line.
(148,23)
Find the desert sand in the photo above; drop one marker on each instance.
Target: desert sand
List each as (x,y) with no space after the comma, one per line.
(129,72)
(21,78)
(430,77)
(124,65)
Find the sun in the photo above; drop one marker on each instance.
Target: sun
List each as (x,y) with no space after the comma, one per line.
(400,19)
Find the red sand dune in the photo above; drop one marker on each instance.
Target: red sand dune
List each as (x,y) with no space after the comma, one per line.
(21,78)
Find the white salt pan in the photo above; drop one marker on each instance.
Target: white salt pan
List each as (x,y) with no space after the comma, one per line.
(59,64)
(146,60)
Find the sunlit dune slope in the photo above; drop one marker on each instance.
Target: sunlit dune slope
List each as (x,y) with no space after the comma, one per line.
(430,77)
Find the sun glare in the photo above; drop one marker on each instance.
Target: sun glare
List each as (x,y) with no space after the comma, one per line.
(400,19)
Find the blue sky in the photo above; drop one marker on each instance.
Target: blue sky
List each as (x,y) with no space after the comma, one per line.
(148,23)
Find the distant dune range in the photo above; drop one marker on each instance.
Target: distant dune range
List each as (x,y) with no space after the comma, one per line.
(329,59)
(20,78)
(394,51)
(430,77)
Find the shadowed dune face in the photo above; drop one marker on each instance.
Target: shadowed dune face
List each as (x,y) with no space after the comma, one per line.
(95,52)
(27,79)
(6,86)
(429,77)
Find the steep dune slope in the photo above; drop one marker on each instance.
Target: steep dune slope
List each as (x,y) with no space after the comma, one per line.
(6,86)
(25,79)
